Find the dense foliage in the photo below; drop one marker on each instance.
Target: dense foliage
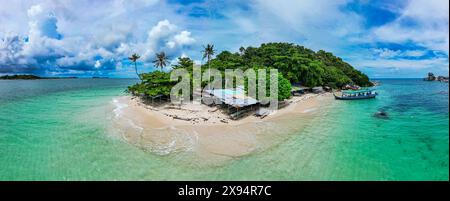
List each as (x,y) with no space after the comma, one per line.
(153,84)
(295,63)
(284,86)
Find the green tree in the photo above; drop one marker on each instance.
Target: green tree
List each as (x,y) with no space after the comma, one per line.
(134,59)
(208,52)
(312,74)
(242,50)
(154,83)
(184,62)
(284,86)
(161,60)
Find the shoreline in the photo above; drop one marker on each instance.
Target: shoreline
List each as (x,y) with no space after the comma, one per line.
(207,140)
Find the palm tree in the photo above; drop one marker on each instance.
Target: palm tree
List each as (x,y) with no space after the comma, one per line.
(242,50)
(161,60)
(134,59)
(208,52)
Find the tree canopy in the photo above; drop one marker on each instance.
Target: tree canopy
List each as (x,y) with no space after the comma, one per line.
(295,64)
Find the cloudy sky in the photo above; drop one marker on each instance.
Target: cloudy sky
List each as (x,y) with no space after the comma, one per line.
(382,38)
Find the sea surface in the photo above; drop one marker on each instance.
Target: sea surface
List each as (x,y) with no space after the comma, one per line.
(58,130)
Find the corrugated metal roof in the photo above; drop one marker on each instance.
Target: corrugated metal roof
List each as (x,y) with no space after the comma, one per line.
(234,97)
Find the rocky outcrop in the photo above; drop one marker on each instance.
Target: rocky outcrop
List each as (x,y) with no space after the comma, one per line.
(432,77)
(381,115)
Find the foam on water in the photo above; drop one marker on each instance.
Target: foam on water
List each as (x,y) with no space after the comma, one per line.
(171,140)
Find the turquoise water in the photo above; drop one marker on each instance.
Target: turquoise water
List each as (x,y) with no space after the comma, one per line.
(57,130)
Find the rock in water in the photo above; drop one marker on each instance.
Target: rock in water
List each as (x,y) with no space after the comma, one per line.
(381,115)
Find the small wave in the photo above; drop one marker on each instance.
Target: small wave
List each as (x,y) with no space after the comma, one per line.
(118,107)
(309,110)
(161,141)
(178,141)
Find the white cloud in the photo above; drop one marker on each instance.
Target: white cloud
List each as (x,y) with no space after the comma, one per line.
(182,38)
(414,53)
(406,67)
(424,22)
(162,35)
(98,64)
(163,29)
(34,10)
(388,53)
(321,27)
(70,35)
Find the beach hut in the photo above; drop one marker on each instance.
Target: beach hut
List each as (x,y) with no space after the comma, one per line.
(235,100)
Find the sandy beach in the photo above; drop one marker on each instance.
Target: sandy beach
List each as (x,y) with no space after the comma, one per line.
(209,137)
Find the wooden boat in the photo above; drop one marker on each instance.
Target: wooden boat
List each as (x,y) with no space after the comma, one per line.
(355,94)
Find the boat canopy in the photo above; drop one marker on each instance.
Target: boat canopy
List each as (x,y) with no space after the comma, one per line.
(357,91)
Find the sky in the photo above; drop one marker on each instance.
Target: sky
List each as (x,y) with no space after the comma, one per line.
(382,38)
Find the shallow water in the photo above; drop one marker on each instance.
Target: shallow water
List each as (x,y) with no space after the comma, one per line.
(58,130)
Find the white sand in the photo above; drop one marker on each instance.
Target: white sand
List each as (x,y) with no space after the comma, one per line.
(210,137)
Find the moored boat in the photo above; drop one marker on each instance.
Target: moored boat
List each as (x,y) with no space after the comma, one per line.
(355,94)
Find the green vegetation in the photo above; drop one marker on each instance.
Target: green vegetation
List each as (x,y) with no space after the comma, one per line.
(295,63)
(134,59)
(184,62)
(19,77)
(284,86)
(30,77)
(161,60)
(208,52)
(153,84)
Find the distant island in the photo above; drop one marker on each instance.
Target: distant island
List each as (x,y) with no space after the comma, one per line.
(30,77)
(432,77)
(20,77)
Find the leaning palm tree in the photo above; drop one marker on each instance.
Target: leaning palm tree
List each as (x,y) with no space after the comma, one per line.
(161,60)
(134,59)
(208,52)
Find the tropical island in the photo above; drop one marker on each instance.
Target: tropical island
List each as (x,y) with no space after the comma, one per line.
(296,64)
(300,70)
(305,80)
(20,77)
(30,77)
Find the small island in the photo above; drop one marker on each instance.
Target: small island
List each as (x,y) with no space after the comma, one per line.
(305,82)
(20,77)
(300,70)
(30,77)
